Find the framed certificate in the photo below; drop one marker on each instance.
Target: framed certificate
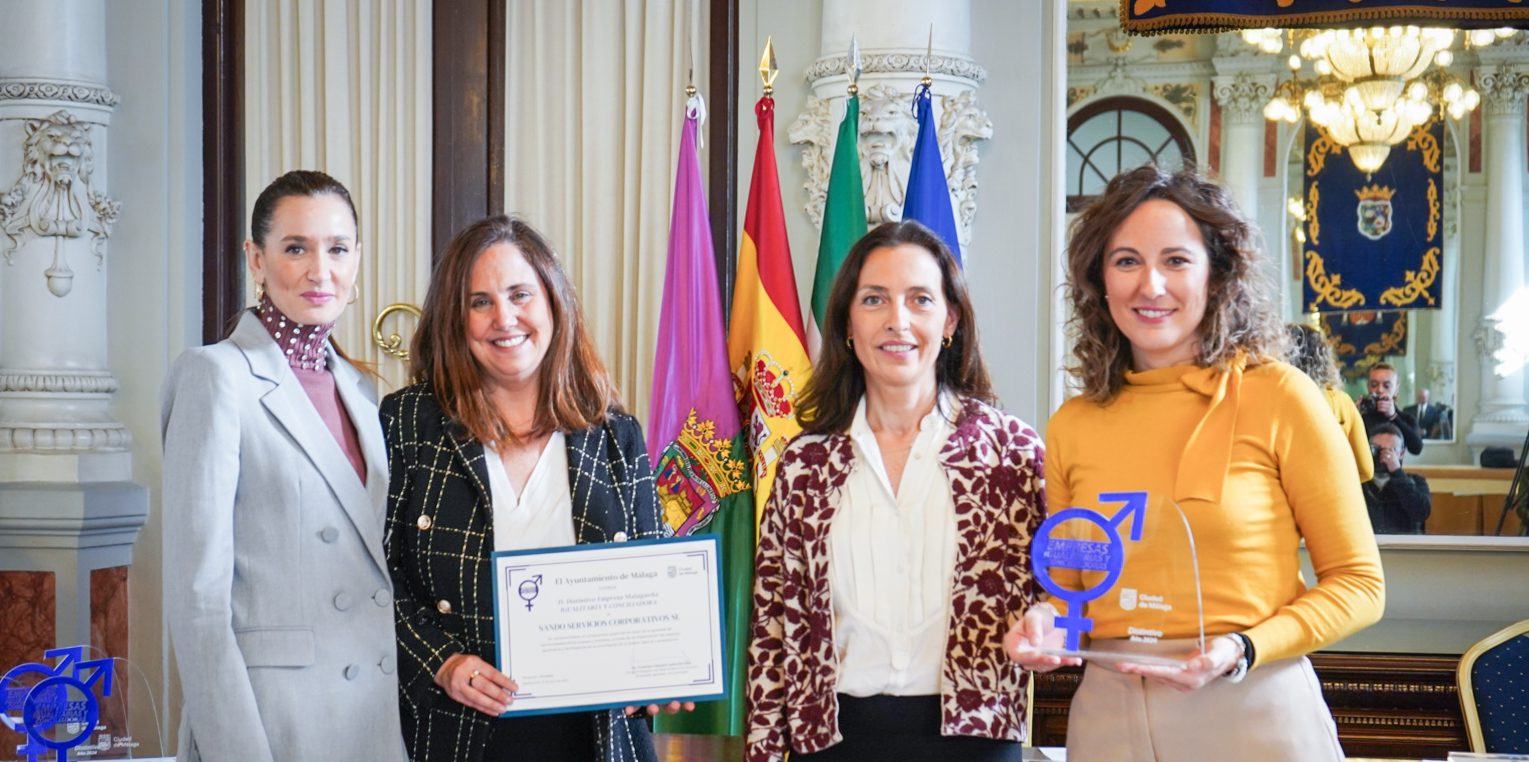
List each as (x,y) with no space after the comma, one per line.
(618,624)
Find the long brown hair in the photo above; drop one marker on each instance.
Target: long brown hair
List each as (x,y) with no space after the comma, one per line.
(827,404)
(573,389)
(1239,314)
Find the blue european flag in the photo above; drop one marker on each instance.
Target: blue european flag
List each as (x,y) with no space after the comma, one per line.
(928,196)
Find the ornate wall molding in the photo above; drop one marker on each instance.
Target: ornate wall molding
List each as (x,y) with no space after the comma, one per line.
(55,197)
(57,381)
(1242,96)
(47,90)
(1181,71)
(1489,341)
(64,438)
(899,63)
(1503,89)
(887,133)
(1120,81)
(1440,374)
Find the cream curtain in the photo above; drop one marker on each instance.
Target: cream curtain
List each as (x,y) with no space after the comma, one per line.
(343,86)
(595,104)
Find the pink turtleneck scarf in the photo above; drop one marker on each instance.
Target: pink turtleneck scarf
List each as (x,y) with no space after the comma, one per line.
(307,355)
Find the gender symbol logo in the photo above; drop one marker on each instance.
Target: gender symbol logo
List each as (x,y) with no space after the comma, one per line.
(47,704)
(1049,553)
(529,589)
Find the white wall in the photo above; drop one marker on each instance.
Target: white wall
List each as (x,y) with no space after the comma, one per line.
(1017,234)
(155,261)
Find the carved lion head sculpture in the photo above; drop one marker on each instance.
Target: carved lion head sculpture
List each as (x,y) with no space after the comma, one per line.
(56,150)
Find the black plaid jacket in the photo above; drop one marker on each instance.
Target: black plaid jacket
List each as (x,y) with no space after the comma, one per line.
(439,539)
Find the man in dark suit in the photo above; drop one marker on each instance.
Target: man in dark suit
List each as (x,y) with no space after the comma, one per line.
(1435,420)
(1398,502)
(1379,407)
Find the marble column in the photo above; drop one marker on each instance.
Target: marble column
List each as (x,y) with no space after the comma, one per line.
(69,510)
(1242,93)
(1438,376)
(1504,87)
(895,41)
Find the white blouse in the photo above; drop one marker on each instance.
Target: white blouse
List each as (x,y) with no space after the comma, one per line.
(891,560)
(541,516)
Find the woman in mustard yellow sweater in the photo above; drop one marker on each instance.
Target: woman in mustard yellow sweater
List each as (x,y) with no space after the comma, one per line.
(1306,348)
(1183,400)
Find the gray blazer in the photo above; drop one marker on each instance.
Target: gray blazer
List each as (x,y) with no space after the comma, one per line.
(277,593)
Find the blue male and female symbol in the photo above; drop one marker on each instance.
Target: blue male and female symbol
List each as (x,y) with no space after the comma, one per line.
(1049,553)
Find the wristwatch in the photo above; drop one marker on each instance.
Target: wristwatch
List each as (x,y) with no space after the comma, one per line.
(1239,668)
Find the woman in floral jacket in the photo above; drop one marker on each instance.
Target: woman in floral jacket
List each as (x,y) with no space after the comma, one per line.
(894,550)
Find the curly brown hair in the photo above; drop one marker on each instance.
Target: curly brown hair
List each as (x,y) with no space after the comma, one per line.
(1239,311)
(1307,349)
(827,404)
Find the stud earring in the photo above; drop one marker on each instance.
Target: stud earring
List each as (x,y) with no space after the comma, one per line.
(849,342)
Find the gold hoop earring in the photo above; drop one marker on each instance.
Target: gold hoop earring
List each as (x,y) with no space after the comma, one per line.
(947,341)
(849,342)
(259,292)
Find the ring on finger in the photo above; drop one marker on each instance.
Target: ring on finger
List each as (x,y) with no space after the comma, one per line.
(476,673)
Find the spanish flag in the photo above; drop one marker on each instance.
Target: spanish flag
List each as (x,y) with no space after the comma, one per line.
(766,344)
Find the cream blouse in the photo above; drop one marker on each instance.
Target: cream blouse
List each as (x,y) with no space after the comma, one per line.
(891,559)
(542,515)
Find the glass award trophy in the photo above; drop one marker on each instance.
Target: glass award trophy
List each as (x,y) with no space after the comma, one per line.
(1128,560)
(71,704)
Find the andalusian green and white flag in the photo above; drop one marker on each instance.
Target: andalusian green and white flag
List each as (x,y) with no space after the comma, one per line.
(843,217)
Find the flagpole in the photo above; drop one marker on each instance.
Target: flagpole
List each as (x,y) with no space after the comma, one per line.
(853,64)
(768,71)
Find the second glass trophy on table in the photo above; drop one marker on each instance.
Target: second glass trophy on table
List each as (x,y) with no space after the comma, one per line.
(1127,560)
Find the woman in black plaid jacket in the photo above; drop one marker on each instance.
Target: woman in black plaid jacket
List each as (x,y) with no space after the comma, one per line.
(509,397)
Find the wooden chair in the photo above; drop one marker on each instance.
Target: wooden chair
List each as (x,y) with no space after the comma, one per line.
(1494,691)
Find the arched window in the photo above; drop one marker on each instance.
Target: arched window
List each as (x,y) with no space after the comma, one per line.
(1112,135)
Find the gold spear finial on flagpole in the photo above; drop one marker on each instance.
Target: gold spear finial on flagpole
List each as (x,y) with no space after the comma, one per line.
(852,64)
(767,69)
(928,56)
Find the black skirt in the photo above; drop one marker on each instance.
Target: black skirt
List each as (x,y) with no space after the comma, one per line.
(904,728)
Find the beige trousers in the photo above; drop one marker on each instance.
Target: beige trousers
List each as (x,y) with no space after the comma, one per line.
(1276,714)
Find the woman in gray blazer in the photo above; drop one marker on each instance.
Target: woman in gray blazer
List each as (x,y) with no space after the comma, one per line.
(511,438)
(279,601)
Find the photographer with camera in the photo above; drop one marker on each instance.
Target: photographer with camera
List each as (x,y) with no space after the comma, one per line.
(1398,502)
(1379,407)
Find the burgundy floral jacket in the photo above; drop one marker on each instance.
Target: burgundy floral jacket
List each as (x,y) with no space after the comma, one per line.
(994,464)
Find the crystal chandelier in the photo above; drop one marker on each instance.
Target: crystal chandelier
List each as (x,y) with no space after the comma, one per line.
(1371,87)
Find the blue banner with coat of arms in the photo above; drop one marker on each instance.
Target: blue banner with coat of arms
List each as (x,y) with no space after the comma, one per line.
(1362,339)
(1374,242)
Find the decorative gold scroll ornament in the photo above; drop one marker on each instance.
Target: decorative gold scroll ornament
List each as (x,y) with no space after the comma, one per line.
(1328,287)
(393,343)
(1417,283)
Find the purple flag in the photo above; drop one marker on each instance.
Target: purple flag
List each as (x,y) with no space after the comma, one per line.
(692,412)
(700,464)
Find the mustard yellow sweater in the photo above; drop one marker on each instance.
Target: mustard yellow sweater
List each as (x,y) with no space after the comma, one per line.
(1353,429)
(1254,462)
